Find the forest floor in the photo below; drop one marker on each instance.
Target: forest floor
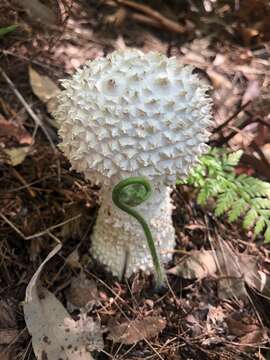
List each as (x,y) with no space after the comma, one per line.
(42,202)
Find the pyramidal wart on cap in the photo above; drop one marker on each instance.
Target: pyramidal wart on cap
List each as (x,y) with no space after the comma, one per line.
(133,114)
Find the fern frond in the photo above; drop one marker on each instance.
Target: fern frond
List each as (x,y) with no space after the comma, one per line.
(267,233)
(240,196)
(260,225)
(225,201)
(261,203)
(234,158)
(237,210)
(250,218)
(254,186)
(203,196)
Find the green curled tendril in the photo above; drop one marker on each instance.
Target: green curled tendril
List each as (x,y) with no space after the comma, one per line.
(129,193)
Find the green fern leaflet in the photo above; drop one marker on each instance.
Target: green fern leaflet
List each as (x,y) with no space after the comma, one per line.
(237,196)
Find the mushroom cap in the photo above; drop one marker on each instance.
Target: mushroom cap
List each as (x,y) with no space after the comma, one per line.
(134,114)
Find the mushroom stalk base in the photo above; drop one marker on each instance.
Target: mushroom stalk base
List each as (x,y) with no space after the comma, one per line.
(118,241)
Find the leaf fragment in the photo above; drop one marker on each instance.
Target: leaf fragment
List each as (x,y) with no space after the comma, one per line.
(257,337)
(43,87)
(15,156)
(55,335)
(130,332)
(39,12)
(198,265)
(83,292)
(236,270)
(233,269)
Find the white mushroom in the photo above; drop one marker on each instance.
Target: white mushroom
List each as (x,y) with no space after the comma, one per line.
(133,114)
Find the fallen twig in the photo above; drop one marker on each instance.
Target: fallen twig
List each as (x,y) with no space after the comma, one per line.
(22,181)
(41,233)
(36,119)
(146,20)
(230,118)
(147,10)
(236,130)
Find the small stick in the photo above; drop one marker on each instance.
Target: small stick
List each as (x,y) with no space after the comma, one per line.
(22,181)
(227,138)
(46,231)
(263,122)
(146,20)
(36,119)
(164,21)
(226,122)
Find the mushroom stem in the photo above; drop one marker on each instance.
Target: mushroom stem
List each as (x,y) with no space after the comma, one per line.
(118,240)
(132,192)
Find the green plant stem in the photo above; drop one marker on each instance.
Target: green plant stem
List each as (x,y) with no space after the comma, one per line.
(128,208)
(5,30)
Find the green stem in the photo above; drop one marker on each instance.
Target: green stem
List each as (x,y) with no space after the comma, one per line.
(126,203)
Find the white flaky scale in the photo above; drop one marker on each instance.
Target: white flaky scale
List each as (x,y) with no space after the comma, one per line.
(133,114)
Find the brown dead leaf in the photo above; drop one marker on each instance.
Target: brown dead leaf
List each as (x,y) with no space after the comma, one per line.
(218,80)
(73,260)
(266,151)
(7,353)
(10,130)
(51,106)
(254,338)
(43,87)
(235,270)
(250,269)
(239,328)
(39,12)
(130,332)
(252,91)
(198,265)
(7,336)
(82,291)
